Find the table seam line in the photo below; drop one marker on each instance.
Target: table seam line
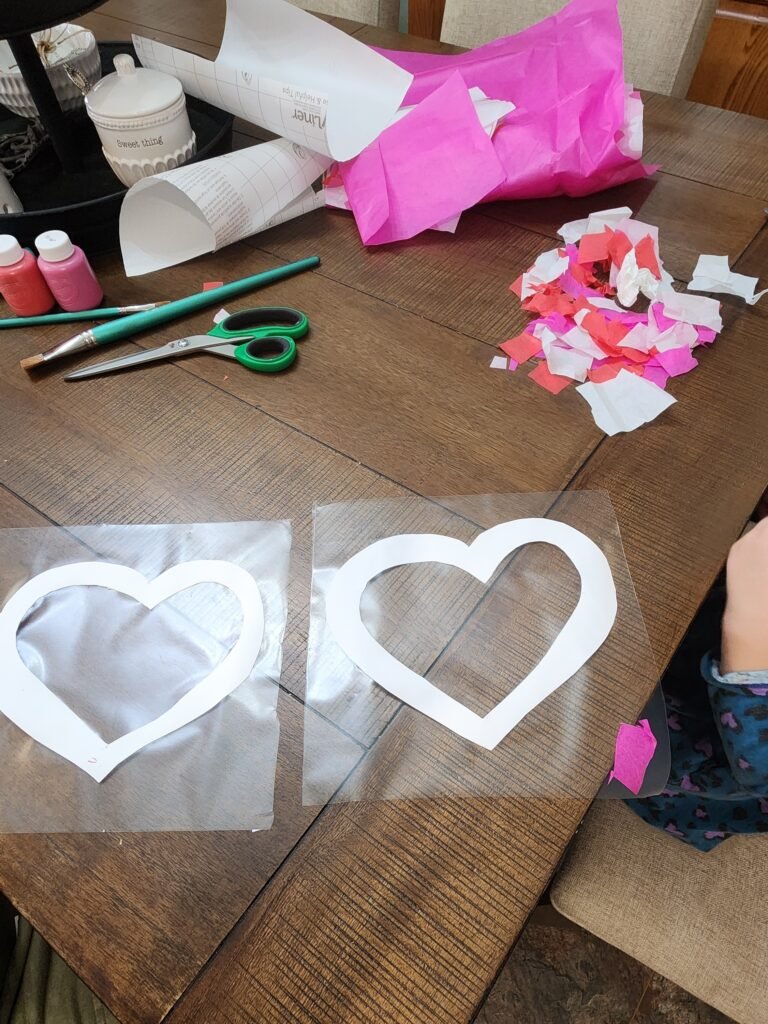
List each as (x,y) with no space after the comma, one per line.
(29,505)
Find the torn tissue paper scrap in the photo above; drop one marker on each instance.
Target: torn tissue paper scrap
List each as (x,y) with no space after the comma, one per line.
(692,309)
(443,136)
(489,113)
(291,73)
(625,402)
(712,274)
(635,747)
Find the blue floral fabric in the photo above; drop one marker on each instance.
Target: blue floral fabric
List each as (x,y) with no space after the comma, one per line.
(718,784)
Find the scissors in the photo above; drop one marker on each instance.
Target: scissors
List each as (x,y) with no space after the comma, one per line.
(261,339)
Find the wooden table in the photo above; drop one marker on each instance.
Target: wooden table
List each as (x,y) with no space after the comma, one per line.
(399,912)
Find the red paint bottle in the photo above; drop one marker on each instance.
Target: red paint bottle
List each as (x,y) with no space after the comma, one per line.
(21,284)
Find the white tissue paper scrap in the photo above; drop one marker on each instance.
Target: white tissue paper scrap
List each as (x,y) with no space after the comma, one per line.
(692,309)
(631,280)
(548,267)
(632,142)
(624,403)
(293,74)
(567,362)
(198,208)
(712,274)
(594,224)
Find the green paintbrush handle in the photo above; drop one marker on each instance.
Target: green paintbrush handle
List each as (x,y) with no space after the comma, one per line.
(103,334)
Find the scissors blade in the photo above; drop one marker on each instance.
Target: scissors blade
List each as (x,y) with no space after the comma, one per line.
(170,351)
(227,350)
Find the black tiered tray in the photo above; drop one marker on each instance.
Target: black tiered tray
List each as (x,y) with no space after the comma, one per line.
(85,200)
(20,18)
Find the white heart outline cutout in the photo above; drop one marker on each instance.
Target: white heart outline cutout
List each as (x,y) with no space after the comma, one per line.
(582,635)
(35,709)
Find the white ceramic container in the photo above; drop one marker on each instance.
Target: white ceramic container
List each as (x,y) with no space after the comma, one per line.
(141,117)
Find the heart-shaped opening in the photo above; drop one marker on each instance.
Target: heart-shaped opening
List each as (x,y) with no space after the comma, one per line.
(117,664)
(473,641)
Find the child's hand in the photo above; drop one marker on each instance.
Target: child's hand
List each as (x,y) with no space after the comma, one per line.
(745,623)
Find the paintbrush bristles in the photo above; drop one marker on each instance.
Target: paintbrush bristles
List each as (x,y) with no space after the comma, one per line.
(31,361)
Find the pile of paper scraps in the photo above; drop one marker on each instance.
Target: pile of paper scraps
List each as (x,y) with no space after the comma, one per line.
(584,331)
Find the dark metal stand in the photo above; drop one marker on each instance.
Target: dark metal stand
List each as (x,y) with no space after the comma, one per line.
(41,90)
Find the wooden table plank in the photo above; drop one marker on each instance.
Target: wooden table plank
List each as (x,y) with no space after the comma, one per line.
(363,356)
(202,22)
(754,262)
(390,40)
(413,922)
(15,512)
(705,144)
(110,28)
(412,276)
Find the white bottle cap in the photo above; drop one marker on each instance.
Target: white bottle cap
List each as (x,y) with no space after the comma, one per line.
(54,246)
(10,251)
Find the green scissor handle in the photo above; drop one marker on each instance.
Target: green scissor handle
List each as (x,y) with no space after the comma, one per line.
(262,322)
(267,355)
(267,333)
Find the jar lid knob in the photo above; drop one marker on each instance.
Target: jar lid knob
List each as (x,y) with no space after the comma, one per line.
(124,64)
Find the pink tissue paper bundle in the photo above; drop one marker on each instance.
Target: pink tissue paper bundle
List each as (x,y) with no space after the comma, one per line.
(576,127)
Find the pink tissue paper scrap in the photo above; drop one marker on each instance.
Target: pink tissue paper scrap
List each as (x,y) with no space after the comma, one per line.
(576,129)
(449,164)
(635,746)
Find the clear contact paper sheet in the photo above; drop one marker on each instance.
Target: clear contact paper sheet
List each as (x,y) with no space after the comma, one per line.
(140,669)
(483,645)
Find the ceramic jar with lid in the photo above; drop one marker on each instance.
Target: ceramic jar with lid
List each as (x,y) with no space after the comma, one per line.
(141,117)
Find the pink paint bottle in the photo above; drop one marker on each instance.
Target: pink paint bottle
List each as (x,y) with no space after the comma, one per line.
(67,271)
(21,283)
